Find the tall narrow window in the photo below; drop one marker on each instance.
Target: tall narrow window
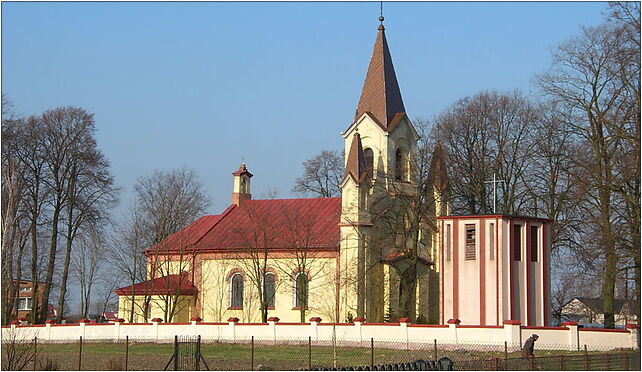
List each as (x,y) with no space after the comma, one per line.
(447,242)
(517,242)
(401,166)
(491,241)
(268,289)
(369,155)
(236,290)
(301,290)
(470,242)
(534,245)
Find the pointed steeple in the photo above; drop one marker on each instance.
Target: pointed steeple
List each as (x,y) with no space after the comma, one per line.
(437,175)
(356,164)
(381,96)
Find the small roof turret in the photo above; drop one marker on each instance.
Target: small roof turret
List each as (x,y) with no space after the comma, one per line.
(437,174)
(356,164)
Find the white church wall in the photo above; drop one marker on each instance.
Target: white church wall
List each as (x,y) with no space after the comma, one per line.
(554,338)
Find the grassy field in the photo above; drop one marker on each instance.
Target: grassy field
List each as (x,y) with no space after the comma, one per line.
(222,356)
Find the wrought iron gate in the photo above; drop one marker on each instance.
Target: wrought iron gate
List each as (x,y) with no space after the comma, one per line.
(187,354)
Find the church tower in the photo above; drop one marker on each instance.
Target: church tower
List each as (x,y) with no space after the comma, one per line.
(379,144)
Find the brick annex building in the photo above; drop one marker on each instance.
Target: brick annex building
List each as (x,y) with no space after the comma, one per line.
(334,258)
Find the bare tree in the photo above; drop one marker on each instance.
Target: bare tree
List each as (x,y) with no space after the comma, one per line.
(169,201)
(90,194)
(583,83)
(321,175)
(174,263)
(488,133)
(166,202)
(126,257)
(257,237)
(17,351)
(306,266)
(87,266)
(14,220)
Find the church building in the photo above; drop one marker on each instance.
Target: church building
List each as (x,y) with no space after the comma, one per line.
(387,248)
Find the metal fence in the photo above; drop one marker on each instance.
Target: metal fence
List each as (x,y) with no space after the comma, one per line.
(266,354)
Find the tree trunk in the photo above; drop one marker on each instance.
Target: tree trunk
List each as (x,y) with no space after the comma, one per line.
(65,275)
(407,289)
(34,270)
(51,264)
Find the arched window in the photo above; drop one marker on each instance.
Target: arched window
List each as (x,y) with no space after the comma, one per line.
(236,290)
(401,165)
(300,290)
(269,288)
(369,155)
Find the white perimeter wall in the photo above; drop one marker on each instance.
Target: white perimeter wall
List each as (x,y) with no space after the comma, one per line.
(409,335)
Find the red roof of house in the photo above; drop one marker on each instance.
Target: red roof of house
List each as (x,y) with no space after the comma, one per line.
(110,315)
(165,285)
(277,224)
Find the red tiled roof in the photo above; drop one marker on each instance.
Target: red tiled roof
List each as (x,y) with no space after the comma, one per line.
(190,234)
(170,284)
(110,314)
(278,224)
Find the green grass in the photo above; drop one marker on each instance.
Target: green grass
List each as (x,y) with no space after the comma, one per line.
(223,356)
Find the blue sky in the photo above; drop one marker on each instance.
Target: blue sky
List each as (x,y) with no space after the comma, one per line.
(204,84)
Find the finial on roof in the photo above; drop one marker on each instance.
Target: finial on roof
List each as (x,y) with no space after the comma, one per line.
(381,28)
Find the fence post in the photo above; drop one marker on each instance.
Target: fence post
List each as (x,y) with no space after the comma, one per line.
(573,333)
(198,352)
(586,360)
(175,352)
(35,352)
(452,326)
(252,357)
(561,358)
(80,355)
(126,352)
(435,350)
(371,351)
(314,322)
(309,352)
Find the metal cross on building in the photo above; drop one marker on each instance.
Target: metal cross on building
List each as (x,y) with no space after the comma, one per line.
(495,181)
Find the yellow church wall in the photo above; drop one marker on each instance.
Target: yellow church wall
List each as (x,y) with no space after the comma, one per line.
(158,266)
(215,289)
(183,308)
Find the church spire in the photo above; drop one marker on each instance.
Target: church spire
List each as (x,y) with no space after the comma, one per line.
(356,163)
(380,95)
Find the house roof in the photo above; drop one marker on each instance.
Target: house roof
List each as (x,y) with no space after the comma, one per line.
(597,304)
(276,224)
(110,314)
(381,96)
(165,285)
